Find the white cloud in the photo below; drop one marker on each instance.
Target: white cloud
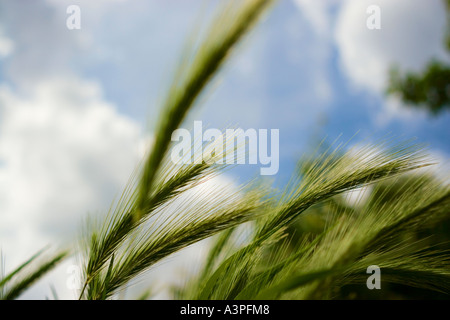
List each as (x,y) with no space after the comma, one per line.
(412,32)
(64,151)
(6,46)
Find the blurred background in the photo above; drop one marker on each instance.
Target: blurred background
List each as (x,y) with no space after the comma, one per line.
(77,107)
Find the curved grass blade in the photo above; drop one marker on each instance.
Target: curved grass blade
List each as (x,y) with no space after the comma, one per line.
(20,285)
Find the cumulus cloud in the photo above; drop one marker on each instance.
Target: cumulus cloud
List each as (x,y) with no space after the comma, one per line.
(64,151)
(412,33)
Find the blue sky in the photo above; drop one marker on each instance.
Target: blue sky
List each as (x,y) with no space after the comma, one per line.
(78,106)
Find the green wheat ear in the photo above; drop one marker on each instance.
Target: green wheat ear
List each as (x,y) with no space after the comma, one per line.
(158,183)
(377,232)
(193,76)
(143,227)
